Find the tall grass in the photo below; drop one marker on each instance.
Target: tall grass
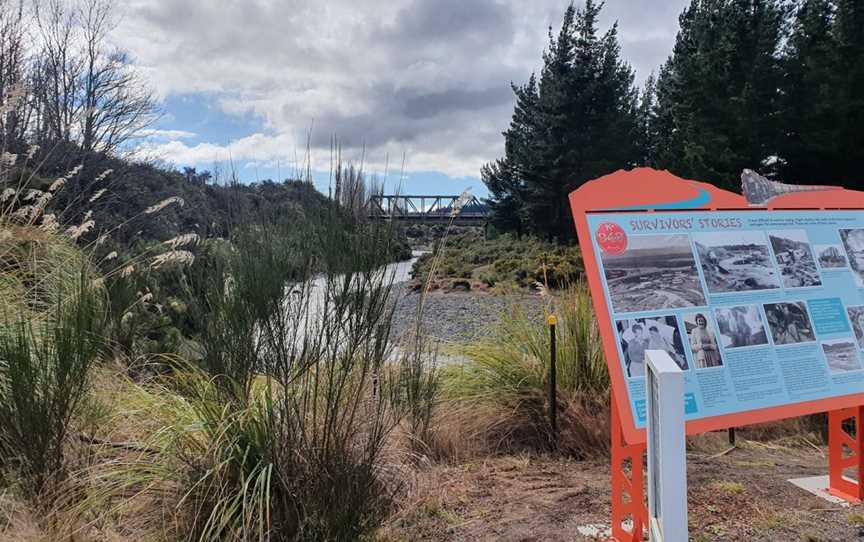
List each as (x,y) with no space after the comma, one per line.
(419,385)
(299,459)
(506,376)
(44,368)
(280,434)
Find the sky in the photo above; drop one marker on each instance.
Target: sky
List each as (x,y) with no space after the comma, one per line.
(418,90)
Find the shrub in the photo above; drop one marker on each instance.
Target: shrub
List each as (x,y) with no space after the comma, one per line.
(504,259)
(418,382)
(44,368)
(279,434)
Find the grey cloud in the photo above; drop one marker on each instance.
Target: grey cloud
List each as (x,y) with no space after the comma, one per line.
(448,20)
(432,75)
(386,126)
(419,105)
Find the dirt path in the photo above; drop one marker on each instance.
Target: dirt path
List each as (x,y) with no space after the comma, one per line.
(743,495)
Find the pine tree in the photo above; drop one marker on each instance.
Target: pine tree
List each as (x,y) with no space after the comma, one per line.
(849,36)
(646,140)
(505,190)
(717,94)
(578,122)
(505,177)
(809,113)
(823,107)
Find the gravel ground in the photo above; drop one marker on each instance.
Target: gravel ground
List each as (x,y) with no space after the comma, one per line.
(455,316)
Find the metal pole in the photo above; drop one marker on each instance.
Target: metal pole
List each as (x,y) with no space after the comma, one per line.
(732,436)
(553,399)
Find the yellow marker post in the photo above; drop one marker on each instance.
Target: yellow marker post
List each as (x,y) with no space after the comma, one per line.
(552,320)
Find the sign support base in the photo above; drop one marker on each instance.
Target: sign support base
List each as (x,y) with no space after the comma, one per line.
(629,513)
(845,446)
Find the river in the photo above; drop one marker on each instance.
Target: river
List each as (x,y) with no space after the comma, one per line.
(402,270)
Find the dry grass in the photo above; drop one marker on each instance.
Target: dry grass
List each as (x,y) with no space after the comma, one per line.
(729,487)
(503,386)
(17,521)
(463,432)
(468,430)
(806,432)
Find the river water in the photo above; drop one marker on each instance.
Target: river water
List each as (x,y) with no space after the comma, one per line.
(399,271)
(402,270)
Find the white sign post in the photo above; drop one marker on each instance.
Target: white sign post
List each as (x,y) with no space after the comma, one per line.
(667,460)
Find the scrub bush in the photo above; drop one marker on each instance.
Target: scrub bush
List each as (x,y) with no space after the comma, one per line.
(279,434)
(44,369)
(504,260)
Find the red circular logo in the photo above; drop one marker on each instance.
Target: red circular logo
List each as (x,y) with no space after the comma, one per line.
(611,238)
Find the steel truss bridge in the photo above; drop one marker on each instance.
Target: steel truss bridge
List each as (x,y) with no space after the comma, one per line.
(427,208)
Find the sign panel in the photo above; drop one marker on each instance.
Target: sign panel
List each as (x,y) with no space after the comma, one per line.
(760,309)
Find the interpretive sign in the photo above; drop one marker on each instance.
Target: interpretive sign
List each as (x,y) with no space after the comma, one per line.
(760,309)
(763,309)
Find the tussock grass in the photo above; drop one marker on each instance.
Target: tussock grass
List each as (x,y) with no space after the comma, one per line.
(278,430)
(506,378)
(36,268)
(280,433)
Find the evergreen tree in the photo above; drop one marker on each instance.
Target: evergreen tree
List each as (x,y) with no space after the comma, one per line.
(578,122)
(717,95)
(646,139)
(809,113)
(823,107)
(505,177)
(849,35)
(505,190)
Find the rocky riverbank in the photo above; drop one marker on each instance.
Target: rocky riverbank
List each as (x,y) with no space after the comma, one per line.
(455,316)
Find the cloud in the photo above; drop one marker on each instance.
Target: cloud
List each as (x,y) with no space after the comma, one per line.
(430,78)
(152,133)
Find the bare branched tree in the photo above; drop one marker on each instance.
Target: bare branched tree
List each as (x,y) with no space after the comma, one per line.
(58,71)
(13,70)
(89,92)
(117,103)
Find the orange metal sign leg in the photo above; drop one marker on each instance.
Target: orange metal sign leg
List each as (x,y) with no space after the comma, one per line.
(629,513)
(845,459)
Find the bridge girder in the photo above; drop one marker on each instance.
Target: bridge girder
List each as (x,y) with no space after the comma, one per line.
(440,208)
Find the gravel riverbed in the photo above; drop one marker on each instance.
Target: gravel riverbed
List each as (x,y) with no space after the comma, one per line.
(459,317)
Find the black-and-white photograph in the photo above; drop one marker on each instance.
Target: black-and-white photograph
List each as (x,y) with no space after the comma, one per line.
(831,256)
(740,326)
(639,335)
(856,318)
(841,355)
(789,323)
(734,262)
(655,272)
(703,340)
(853,242)
(794,258)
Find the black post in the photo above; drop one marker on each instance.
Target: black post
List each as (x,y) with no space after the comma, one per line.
(553,398)
(732,436)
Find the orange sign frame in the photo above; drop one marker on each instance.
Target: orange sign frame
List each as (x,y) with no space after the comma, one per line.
(649,190)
